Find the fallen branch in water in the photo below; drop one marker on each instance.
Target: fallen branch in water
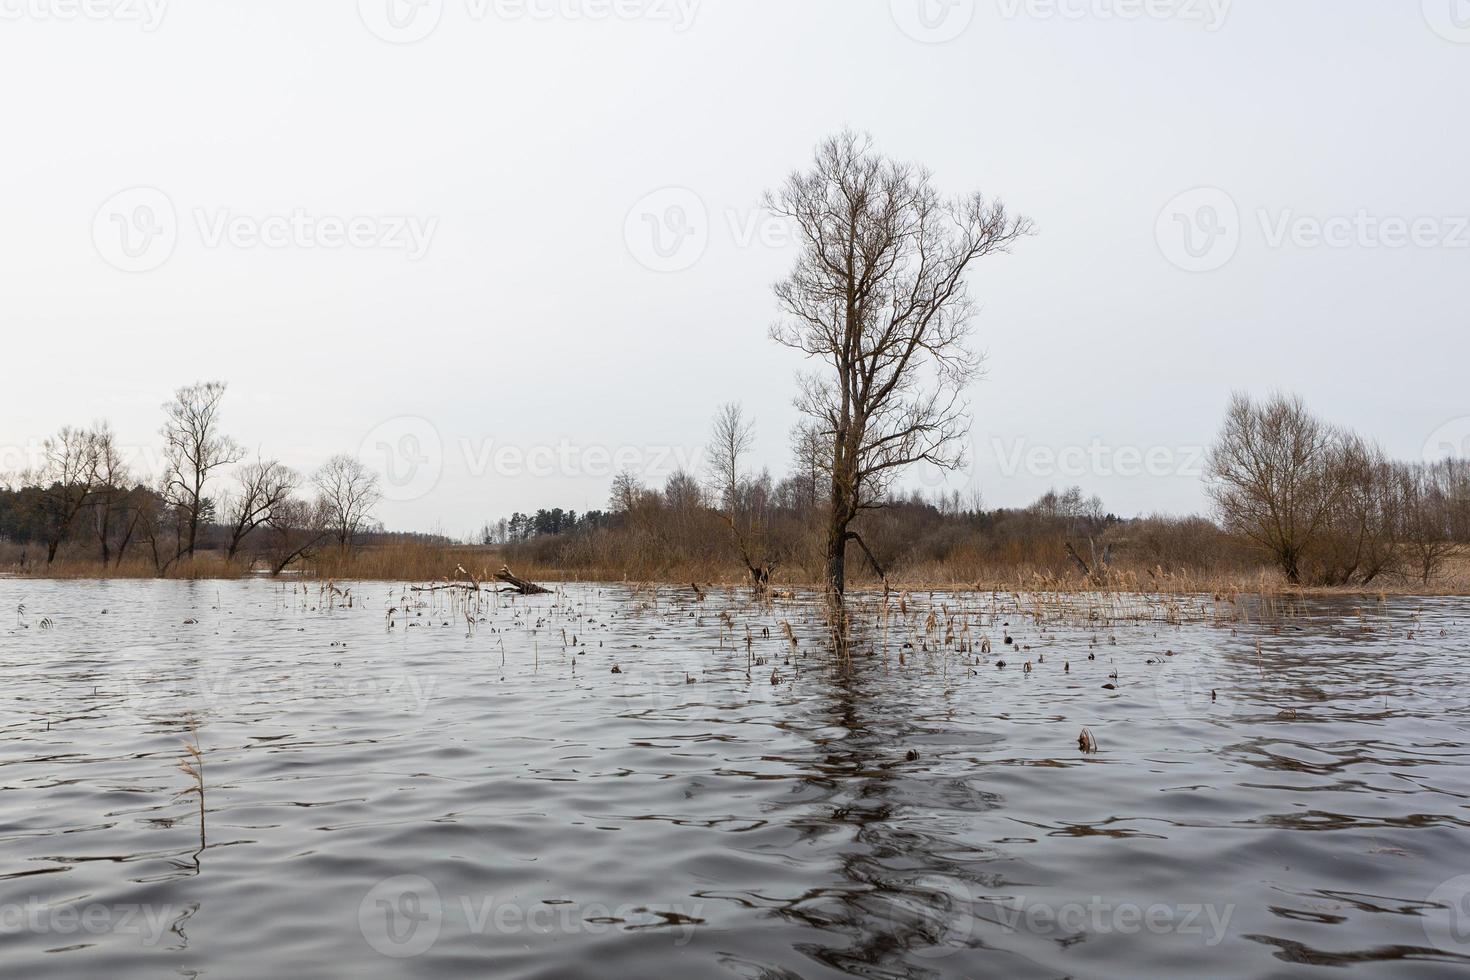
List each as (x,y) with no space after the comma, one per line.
(519,585)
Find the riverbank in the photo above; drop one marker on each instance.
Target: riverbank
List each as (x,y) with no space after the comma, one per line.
(427,563)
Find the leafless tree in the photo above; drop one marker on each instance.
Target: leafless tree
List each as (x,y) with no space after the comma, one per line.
(1360,542)
(260,487)
(880,297)
(811,450)
(742,501)
(194,448)
(627,492)
(732,436)
(67,479)
(350,492)
(1427,518)
(112,493)
(295,530)
(1275,475)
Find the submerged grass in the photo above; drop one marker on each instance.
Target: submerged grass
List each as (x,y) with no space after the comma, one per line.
(418,561)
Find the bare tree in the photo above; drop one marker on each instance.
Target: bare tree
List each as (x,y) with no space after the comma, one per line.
(880,297)
(349,490)
(1274,473)
(742,501)
(194,448)
(1360,542)
(260,487)
(1427,527)
(67,480)
(111,495)
(732,436)
(810,451)
(295,530)
(627,492)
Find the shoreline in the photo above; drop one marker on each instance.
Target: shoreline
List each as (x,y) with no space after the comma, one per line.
(1221,588)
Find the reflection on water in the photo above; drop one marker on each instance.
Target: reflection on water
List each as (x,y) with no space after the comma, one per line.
(394,788)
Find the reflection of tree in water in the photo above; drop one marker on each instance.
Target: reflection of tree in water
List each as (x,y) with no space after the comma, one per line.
(909,891)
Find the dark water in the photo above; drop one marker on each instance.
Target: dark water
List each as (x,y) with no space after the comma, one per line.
(436,800)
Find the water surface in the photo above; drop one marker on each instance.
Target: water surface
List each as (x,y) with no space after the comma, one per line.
(395,788)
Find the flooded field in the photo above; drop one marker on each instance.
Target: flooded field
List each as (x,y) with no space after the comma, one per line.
(633,783)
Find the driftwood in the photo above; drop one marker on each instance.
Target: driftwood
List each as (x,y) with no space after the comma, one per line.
(517,584)
(1097,572)
(505,575)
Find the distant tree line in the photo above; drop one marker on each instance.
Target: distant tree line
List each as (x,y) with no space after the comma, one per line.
(523,527)
(1327,506)
(83,499)
(1318,502)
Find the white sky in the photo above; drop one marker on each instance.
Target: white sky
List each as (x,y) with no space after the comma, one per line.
(522,141)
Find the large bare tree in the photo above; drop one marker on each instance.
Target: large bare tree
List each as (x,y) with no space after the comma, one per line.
(67,479)
(349,491)
(880,297)
(1275,473)
(193,449)
(260,487)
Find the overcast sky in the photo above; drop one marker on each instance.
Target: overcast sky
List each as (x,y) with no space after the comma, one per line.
(501,248)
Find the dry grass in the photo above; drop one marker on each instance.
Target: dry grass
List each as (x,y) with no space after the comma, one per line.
(425,562)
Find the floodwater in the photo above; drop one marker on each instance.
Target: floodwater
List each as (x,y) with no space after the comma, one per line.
(404,784)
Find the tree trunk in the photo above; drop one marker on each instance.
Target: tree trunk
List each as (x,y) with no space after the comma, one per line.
(836,573)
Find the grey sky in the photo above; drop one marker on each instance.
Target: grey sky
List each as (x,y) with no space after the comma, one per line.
(358,229)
